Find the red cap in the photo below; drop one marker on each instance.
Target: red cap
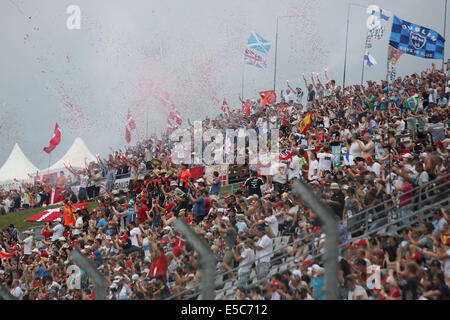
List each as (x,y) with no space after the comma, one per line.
(317,228)
(361,242)
(307,262)
(44,253)
(416,256)
(369,159)
(124,237)
(275,283)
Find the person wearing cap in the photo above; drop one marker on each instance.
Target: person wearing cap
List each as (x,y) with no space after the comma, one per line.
(263,249)
(58,230)
(27,243)
(337,200)
(246,258)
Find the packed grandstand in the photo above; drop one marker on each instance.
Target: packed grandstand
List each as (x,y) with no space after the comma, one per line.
(381,165)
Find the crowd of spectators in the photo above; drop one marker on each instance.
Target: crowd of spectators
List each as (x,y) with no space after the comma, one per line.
(368,149)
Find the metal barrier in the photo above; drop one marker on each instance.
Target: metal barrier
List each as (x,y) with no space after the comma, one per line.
(366,232)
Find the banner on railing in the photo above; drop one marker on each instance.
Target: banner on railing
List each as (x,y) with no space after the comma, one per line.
(221,169)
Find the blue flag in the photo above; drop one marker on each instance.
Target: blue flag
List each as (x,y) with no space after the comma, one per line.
(258,43)
(416,40)
(370,61)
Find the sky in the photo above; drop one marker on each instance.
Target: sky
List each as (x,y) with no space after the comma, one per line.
(87,79)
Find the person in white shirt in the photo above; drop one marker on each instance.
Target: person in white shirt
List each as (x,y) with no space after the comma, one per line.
(373,166)
(295,167)
(58,230)
(355,291)
(264,252)
(271,220)
(134,232)
(78,226)
(279,171)
(245,259)
(325,160)
(27,243)
(313,172)
(16,291)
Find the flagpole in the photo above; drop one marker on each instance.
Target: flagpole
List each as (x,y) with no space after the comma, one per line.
(445,29)
(242,89)
(146,130)
(49,158)
(276,51)
(346,45)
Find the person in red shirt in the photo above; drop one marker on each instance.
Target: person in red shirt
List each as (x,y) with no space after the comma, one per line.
(61,181)
(183,177)
(405,201)
(160,262)
(142,210)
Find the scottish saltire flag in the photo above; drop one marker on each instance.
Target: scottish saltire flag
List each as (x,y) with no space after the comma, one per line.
(416,40)
(255,41)
(412,104)
(370,61)
(254,59)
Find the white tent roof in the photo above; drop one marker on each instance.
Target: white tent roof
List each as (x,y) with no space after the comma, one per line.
(77,156)
(17,166)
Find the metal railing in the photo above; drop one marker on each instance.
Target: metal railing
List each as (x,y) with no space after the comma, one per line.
(364,226)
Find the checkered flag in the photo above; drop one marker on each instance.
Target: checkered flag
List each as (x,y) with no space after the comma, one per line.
(377,33)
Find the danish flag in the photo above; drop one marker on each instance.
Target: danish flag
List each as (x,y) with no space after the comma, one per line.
(56,139)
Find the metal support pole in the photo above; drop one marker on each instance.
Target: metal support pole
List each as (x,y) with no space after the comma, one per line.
(207,258)
(445,29)
(346,45)
(5,294)
(316,204)
(100,281)
(276,52)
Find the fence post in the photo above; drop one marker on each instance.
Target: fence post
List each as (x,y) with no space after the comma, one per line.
(100,281)
(5,294)
(331,291)
(207,258)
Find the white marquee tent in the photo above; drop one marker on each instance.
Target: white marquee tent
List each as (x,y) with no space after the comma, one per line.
(17,166)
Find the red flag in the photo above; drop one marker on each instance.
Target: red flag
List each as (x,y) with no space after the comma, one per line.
(131,125)
(246,107)
(55,140)
(174,119)
(268,97)
(223,105)
(6,255)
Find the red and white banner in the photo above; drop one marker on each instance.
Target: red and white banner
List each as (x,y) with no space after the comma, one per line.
(52,214)
(130,125)
(57,197)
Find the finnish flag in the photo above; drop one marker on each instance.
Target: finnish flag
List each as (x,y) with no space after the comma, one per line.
(370,61)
